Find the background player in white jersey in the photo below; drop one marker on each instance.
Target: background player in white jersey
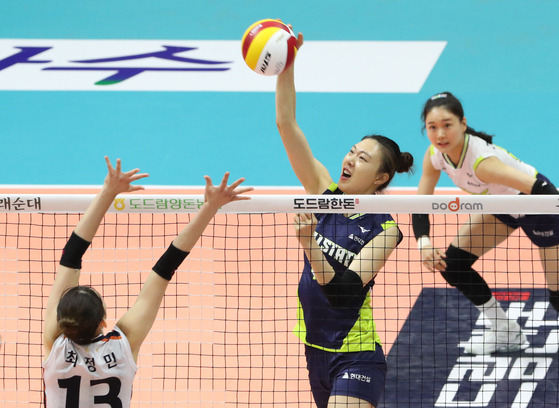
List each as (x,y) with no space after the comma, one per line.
(343,254)
(83,366)
(477,166)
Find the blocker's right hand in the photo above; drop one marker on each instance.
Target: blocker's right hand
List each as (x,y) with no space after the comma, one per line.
(433,258)
(222,194)
(118,181)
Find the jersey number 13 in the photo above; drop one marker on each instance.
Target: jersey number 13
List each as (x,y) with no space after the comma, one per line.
(72,386)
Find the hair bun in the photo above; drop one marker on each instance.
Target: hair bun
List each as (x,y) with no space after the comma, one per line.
(405,163)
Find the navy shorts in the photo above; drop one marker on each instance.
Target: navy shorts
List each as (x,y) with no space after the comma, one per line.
(543,230)
(360,375)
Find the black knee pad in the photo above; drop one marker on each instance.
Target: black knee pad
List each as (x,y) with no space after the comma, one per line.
(458,265)
(459,273)
(554,299)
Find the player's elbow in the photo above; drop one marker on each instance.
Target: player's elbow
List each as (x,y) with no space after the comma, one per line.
(345,290)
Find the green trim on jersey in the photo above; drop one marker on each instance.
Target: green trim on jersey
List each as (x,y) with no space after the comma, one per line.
(363,335)
(333,187)
(389,224)
(462,155)
(478,161)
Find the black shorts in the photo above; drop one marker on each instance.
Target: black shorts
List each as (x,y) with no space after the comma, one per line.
(360,374)
(543,230)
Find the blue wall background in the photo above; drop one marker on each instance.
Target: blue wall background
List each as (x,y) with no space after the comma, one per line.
(501,60)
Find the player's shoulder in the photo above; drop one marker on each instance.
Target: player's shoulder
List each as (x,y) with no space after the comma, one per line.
(333,189)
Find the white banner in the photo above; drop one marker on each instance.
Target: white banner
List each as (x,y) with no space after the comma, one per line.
(271,203)
(196,65)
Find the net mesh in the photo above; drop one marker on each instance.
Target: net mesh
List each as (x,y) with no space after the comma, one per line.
(224,335)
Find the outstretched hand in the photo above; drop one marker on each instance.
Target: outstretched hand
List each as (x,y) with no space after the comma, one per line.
(222,194)
(118,182)
(300,40)
(299,36)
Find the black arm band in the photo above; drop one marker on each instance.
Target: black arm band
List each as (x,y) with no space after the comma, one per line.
(73,252)
(421,225)
(344,289)
(543,187)
(169,262)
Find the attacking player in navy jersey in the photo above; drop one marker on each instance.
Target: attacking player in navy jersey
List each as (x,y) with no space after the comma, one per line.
(478,166)
(83,366)
(343,254)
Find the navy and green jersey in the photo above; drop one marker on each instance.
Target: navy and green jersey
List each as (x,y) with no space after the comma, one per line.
(320,325)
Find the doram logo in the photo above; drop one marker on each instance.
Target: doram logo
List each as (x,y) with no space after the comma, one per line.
(455,205)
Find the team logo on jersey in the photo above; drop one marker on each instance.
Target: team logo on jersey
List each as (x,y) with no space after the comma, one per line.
(329,247)
(356,376)
(364,230)
(355,238)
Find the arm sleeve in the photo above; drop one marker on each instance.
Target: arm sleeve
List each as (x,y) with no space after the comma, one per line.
(421,225)
(73,251)
(344,289)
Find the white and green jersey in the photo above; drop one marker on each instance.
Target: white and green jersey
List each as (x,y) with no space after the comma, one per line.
(475,150)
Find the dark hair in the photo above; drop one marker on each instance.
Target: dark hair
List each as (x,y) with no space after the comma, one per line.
(80,312)
(449,102)
(393,160)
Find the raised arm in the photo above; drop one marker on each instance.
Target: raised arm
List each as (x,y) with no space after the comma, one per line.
(311,173)
(68,273)
(138,320)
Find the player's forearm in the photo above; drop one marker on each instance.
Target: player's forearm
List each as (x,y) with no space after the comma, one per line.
(285,98)
(323,271)
(188,237)
(89,223)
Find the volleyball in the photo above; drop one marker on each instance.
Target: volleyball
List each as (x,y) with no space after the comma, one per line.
(269,46)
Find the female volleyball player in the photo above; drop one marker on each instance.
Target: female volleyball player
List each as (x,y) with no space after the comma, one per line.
(343,254)
(83,366)
(476,165)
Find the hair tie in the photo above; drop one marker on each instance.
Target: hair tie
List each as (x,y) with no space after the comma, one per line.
(437,96)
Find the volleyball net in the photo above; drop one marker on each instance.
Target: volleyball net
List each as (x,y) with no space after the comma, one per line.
(224,334)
